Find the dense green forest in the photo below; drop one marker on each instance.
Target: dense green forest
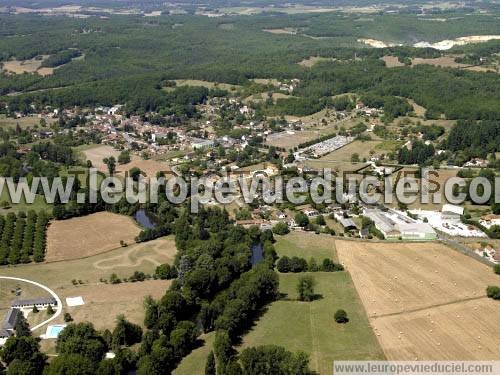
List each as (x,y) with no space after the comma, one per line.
(126,59)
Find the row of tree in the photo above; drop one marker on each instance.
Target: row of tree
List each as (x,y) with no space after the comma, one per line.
(23,237)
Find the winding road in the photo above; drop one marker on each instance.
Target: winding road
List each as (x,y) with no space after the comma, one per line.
(52,293)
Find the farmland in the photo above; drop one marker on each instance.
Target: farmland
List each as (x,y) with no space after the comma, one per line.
(90,235)
(424,301)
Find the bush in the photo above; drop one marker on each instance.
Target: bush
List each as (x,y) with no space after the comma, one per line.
(283,264)
(281,228)
(496,269)
(68,318)
(340,316)
(493,292)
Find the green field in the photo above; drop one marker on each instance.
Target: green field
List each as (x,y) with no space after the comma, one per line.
(194,363)
(38,204)
(310,327)
(306,245)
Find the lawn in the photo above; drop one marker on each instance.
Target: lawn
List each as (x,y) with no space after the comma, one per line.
(310,327)
(306,245)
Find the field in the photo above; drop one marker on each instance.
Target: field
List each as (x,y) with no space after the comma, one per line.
(24,122)
(425,301)
(313,60)
(97,153)
(194,363)
(314,330)
(207,84)
(26,66)
(306,245)
(88,235)
(143,257)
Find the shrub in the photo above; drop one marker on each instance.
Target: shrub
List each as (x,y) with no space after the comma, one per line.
(305,288)
(281,228)
(496,269)
(340,316)
(493,292)
(68,318)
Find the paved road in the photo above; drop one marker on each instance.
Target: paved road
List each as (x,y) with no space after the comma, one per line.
(59,302)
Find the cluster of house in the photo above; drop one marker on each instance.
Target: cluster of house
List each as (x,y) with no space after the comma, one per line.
(16,308)
(489,253)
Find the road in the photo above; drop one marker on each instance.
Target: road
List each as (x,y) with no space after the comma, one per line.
(50,291)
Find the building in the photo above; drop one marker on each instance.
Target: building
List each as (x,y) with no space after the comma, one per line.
(5,334)
(11,319)
(43,302)
(383,223)
(347,223)
(452,211)
(201,143)
(417,232)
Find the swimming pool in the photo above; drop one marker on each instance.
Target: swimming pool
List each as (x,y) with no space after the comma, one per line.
(54,331)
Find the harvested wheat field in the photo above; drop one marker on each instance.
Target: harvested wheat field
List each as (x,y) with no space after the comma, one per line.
(425,300)
(88,235)
(98,153)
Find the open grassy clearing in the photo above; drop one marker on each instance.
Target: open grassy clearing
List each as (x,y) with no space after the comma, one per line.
(194,363)
(425,301)
(207,84)
(262,97)
(310,327)
(25,66)
(306,245)
(24,122)
(313,60)
(88,235)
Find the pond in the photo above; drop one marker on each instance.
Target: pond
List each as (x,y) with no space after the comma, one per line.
(145,219)
(257,254)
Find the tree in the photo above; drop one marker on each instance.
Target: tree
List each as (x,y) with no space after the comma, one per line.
(134,173)
(72,364)
(281,228)
(50,310)
(340,316)
(124,157)
(272,359)
(111,164)
(283,264)
(126,333)
(320,220)
(22,327)
(301,219)
(312,266)
(493,292)
(210,365)
(81,339)
(305,288)
(165,272)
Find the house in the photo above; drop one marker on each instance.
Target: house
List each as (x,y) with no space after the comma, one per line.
(490,220)
(280,215)
(311,213)
(11,319)
(42,302)
(5,334)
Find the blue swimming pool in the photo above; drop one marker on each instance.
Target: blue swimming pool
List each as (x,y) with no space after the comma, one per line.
(54,331)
